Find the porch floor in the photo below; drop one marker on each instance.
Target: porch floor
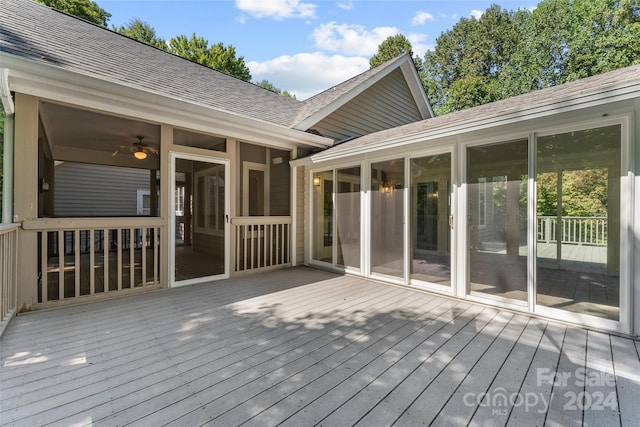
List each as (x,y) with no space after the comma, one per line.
(304,347)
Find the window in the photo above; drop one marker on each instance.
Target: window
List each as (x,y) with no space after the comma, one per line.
(209,209)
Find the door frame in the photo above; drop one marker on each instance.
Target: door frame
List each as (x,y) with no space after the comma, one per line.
(173,156)
(625,321)
(450,149)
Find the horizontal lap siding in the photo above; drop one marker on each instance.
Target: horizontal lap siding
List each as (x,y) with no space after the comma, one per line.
(94,190)
(385,105)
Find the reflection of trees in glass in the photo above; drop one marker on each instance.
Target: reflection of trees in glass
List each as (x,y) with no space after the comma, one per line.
(584,193)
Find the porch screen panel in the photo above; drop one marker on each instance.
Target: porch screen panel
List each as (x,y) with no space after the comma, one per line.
(497,220)
(323,216)
(387,217)
(348,217)
(430,210)
(200,236)
(578,221)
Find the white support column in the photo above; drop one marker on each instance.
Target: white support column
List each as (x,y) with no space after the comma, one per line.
(26,195)
(234,196)
(293,203)
(167,199)
(7,164)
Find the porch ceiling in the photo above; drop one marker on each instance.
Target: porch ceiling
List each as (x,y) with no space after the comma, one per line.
(303,347)
(81,135)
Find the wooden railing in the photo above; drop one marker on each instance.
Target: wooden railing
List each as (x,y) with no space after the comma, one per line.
(8,270)
(574,230)
(261,242)
(88,256)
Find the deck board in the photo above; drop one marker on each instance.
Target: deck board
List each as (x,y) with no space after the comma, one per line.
(299,347)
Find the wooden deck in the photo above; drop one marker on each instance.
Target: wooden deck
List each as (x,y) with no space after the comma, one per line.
(304,347)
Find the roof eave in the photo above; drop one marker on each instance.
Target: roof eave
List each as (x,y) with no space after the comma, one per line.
(600,97)
(49,81)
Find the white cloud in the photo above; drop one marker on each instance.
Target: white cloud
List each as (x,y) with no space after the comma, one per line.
(476,13)
(421,18)
(418,44)
(300,74)
(278,9)
(345,5)
(350,39)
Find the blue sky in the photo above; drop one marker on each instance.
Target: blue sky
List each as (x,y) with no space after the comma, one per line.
(304,46)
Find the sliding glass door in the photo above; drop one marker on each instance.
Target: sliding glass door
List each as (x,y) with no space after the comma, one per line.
(578,221)
(431,220)
(387,218)
(497,220)
(336,217)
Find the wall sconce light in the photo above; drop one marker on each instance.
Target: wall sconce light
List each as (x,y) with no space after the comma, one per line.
(385,187)
(44,185)
(316,180)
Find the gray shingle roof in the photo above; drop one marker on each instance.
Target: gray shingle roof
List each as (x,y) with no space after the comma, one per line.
(34,31)
(42,34)
(494,111)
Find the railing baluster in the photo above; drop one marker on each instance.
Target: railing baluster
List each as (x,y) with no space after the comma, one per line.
(44,265)
(119,257)
(246,232)
(92,262)
(61,265)
(143,252)
(132,258)
(156,250)
(265,248)
(105,250)
(252,237)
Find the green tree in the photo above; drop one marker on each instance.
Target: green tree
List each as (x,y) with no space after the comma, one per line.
(390,48)
(142,31)
(266,84)
(217,56)
(85,9)
(463,69)
(506,53)
(541,57)
(610,40)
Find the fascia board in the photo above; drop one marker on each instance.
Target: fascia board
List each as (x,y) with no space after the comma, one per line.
(5,92)
(348,96)
(610,95)
(32,78)
(415,86)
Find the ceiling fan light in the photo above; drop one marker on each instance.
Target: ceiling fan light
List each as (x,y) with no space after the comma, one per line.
(140,154)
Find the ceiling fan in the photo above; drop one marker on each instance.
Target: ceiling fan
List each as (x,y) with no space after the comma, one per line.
(138,149)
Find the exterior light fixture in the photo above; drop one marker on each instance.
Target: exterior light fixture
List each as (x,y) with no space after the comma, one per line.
(316,180)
